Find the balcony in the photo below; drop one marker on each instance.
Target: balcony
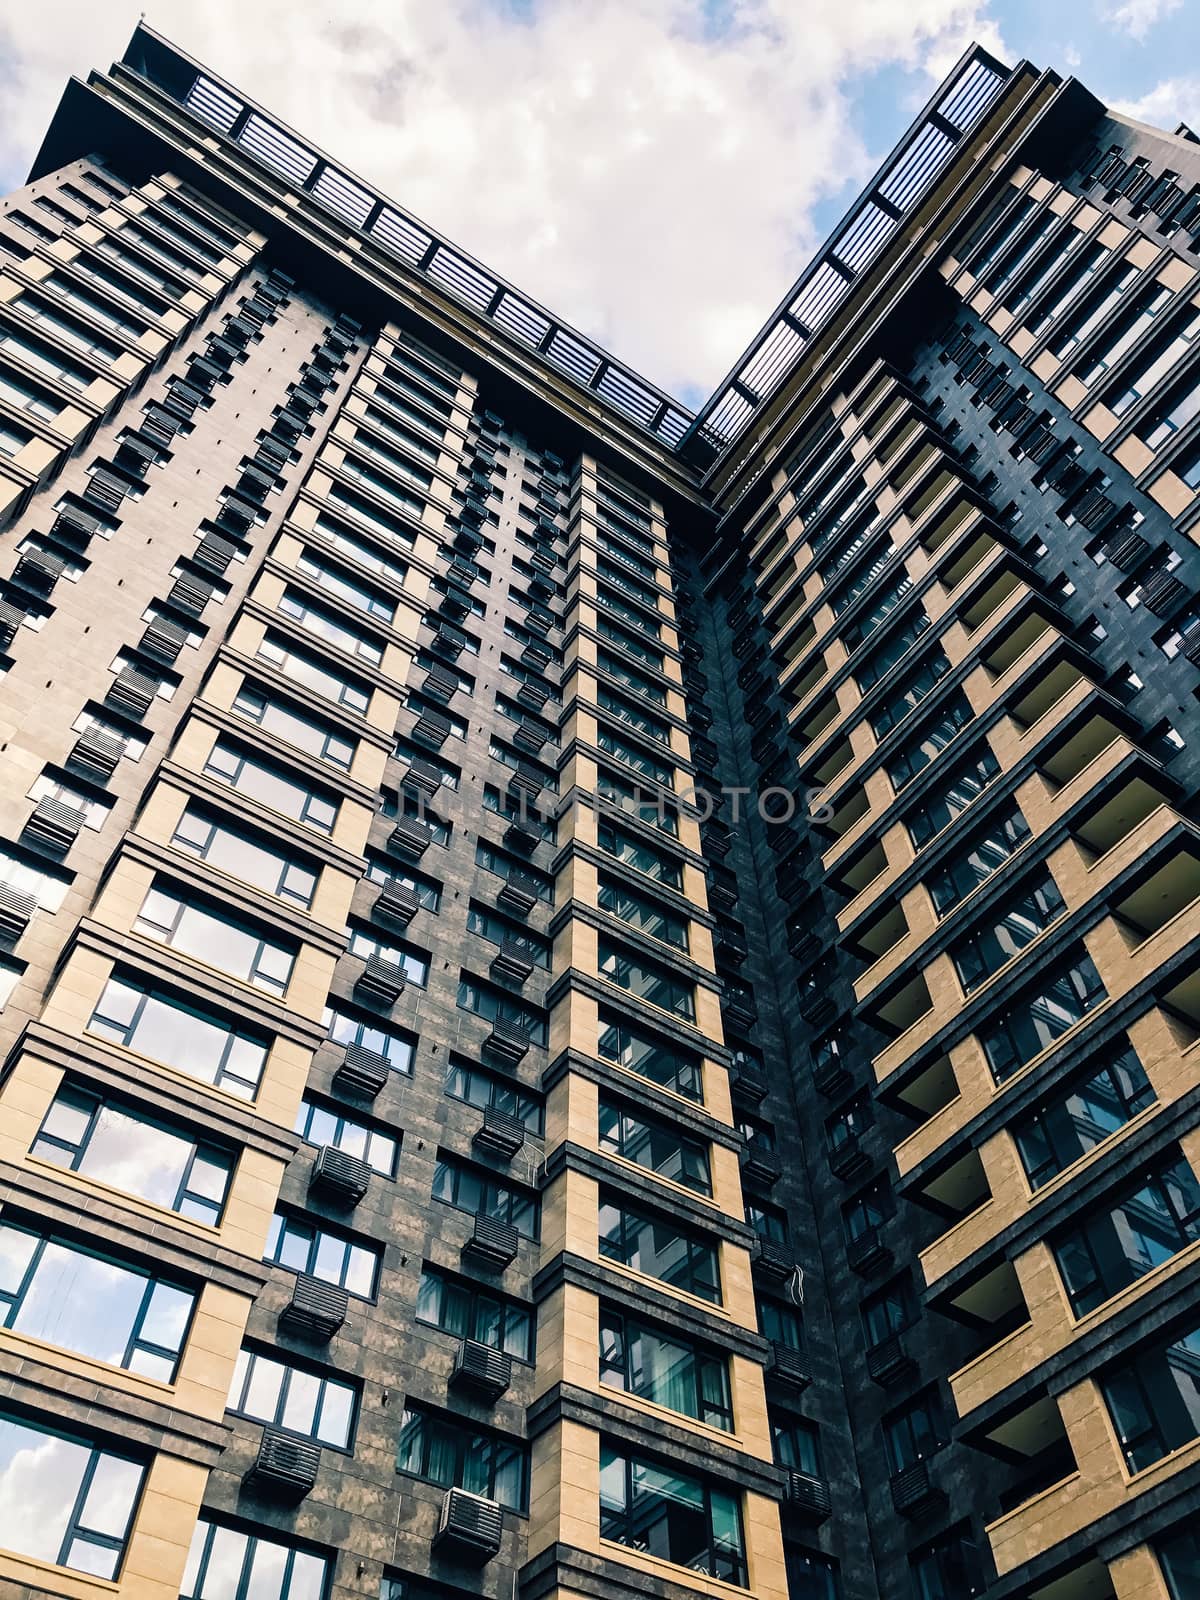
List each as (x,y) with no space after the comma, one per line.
(914,1493)
(747,1085)
(788,1368)
(492,1244)
(807,1497)
(481,1371)
(285,1467)
(760,1166)
(508,1041)
(889,1364)
(362,1073)
(771,1262)
(39,570)
(868,1253)
(340,1177)
(316,1310)
(847,1159)
(469,1529)
(380,981)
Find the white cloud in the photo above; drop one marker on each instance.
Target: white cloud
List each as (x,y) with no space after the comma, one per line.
(645,167)
(1170,102)
(1137,17)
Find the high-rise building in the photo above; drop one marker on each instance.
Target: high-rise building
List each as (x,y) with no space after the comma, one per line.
(597,1001)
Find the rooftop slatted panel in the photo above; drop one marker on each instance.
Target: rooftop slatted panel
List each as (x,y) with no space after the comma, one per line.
(356,205)
(871,223)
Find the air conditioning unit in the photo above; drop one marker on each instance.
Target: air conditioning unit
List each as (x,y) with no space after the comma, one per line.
(469,1528)
(492,1243)
(500,1133)
(381,981)
(362,1073)
(339,1176)
(316,1309)
(807,1497)
(481,1370)
(285,1466)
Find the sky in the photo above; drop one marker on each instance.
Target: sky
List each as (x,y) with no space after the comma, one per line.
(657,172)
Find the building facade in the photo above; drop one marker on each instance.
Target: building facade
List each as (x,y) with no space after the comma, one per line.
(598,1001)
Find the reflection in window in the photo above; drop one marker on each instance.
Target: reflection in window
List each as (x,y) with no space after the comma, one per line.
(470,1312)
(332,1257)
(670,1371)
(170,1030)
(454,1455)
(293,1398)
(685,1520)
(226,1564)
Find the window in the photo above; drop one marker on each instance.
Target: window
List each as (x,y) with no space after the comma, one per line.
(245,856)
(293,1398)
(169,1029)
(496,1005)
(630,614)
(914,1433)
(1108,1250)
(44,359)
(938,808)
(345,1028)
(385,421)
(1064,1129)
(647,982)
(26,395)
(118,1145)
(687,1521)
(988,851)
(412,962)
(1164,353)
(271,787)
(659,1248)
(71,1297)
(333,1257)
(637,681)
(894,648)
(868,1210)
(330,629)
(795,1446)
(616,574)
(1067,291)
(498,930)
(478,1087)
(1153,1398)
(781,1323)
(304,731)
(473,1190)
(464,1309)
(385,487)
(657,1060)
(448,775)
(346,588)
(889,1311)
(366,555)
(215,937)
(672,1372)
(1025,285)
(226,1564)
(309,673)
(646,806)
(427,890)
(322,1125)
(814,1577)
(360,510)
(655,1145)
(454,1455)
(1124,333)
(767,1221)
(1015,923)
(72,332)
(505,866)
(644,858)
(1022,1031)
(71,1503)
(617,706)
(1179,1559)
(904,701)
(904,766)
(640,760)
(628,642)
(946,1570)
(47,888)
(1174,411)
(1094,311)
(641,913)
(95,306)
